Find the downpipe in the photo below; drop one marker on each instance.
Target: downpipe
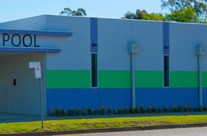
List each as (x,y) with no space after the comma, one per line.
(133,80)
(133,50)
(200,52)
(200,86)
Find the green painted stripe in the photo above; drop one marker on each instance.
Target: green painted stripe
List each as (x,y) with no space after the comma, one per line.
(149,79)
(122,79)
(204,79)
(68,79)
(114,79)
(181,79)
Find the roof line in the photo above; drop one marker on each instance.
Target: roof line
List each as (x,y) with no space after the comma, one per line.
(37,32)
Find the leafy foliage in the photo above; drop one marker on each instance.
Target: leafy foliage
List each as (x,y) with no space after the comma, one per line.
(142,14)
(196,7)
(178,10)
(182,15)
(70,12)
(199,6)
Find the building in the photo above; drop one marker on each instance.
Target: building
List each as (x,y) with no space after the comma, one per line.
(90,62)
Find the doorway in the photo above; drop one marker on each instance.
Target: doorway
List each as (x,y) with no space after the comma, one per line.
(19,90)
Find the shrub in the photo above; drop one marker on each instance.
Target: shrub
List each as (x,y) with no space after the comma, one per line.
(180,109)
(142,109)
(175,109)
(126,110)
(58,112)
(121,111)
(165,109)
(91,111)
(85,112)
(79,112)
(98,111)
(190,109)
(109,111)
(185,108)
(204,108)
(195,109)
(200,108)
(103,110)
(159,110)
(71,112)
(137,110)
(154,109)
(52,112)
(115,111)
(63,112)
(132,110)
(149,109)
(171,109)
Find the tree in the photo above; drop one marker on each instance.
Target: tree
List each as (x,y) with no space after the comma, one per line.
(69,12)
(199,6)
(139,14)
(182,15)
(142,14)
(178,10)
(154,16)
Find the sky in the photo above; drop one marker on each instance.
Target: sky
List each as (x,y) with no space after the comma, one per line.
(17,9)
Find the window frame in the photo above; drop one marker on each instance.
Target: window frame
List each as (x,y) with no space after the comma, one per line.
(94,84)
(166,78)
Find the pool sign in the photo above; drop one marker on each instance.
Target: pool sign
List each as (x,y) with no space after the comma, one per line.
(17,40)
(37,67)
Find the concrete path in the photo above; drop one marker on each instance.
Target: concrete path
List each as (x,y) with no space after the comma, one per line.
(7,117)
(202,131)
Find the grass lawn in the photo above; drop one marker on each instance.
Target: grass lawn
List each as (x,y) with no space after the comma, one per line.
(115,122)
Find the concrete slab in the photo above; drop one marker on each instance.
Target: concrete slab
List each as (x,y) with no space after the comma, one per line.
(9,117)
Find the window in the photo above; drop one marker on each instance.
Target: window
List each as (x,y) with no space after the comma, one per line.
(166,71)
(94,70)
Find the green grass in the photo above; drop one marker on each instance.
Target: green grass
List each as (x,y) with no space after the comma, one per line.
(79,124)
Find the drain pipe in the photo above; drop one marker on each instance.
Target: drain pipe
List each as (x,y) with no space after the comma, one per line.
(200,51)
(132,50)
(133,80)
(200,81)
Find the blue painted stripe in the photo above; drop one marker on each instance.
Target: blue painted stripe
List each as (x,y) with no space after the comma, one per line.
(167,97)
(91,98)
(166,36)
(38,50)
(94,32)
(37,32)
(116,98)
